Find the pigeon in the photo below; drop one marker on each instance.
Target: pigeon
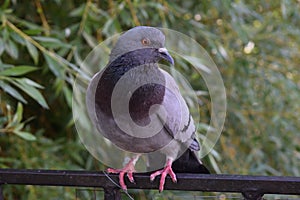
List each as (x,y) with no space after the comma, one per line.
(138,106)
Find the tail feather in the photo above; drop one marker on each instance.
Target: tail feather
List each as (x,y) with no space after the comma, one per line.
(188,162)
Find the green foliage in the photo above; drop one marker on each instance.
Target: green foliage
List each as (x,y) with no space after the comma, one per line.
(255,44)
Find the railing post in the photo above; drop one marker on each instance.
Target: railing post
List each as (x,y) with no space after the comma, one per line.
(1,193)
(252,195)
(111,193)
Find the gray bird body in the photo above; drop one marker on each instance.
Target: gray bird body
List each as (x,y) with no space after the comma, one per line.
(134,62)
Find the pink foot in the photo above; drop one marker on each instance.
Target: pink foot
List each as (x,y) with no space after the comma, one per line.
(128,169)
(164,172)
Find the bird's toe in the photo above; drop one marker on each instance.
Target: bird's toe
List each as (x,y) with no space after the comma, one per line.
(130,176)
(164,172)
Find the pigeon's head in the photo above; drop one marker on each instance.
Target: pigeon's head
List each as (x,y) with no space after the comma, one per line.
(142,37)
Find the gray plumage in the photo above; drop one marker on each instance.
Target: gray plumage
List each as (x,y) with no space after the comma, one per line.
(133,62)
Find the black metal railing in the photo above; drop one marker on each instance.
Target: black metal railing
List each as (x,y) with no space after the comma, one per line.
(251,187)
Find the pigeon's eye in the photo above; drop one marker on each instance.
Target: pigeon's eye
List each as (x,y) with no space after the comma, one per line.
(145,42)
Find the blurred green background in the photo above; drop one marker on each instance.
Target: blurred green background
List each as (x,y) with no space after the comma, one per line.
(255,45)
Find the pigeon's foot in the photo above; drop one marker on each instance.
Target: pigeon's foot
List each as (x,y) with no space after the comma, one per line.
(164,172)
(128,169)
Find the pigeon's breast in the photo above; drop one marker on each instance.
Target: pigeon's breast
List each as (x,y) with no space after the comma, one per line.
(126,92)
(136,86)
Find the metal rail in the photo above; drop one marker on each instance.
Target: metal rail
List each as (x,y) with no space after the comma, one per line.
(252,187)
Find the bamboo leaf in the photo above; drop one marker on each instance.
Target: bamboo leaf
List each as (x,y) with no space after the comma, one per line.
(5,34)
(90,40)
(12,49)
(25,135)
(33,52)
(17,38)
(54,66)
(30,90)
(68,96)
(51,42)
(2,46)
(32,83)
(77,11)
(18,70)
(107,26)
(12,91)
(19,114)
(47,39)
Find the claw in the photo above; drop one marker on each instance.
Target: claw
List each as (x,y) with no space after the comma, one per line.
(128,169)
(164,172)
(130,177)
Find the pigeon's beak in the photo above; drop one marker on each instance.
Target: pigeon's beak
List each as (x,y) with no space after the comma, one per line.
(165,55)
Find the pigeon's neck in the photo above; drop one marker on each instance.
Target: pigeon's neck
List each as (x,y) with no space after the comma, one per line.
(134,58)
